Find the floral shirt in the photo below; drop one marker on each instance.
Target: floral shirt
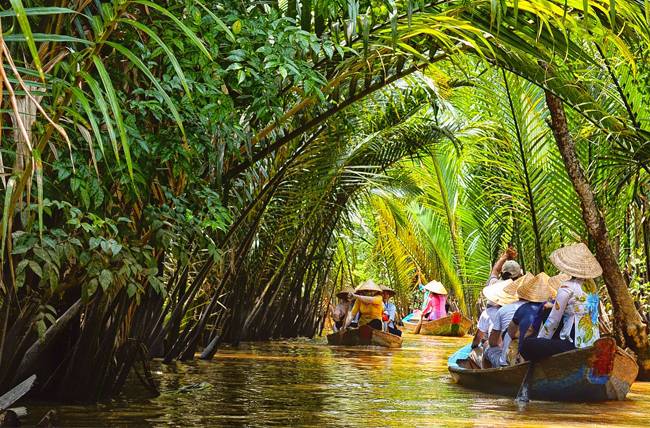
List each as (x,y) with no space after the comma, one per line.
(577,304)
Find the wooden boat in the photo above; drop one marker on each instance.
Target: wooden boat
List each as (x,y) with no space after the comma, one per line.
(599,373)
(451,325)
(364,336)
(410,326)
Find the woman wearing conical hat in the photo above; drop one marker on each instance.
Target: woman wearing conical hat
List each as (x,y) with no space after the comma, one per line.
(368,304)
(576,305)
(536,293)
(435,307)
(340,312)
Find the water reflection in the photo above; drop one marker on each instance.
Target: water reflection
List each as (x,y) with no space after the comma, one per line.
(303,382)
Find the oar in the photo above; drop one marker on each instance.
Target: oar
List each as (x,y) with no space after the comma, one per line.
(522,395)
(418,327)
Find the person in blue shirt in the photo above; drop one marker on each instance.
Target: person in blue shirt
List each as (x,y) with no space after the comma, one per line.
(525,322)
(390,310)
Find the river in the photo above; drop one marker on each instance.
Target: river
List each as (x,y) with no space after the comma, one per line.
(307,383)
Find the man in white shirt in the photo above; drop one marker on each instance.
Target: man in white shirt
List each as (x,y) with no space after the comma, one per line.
(484,326)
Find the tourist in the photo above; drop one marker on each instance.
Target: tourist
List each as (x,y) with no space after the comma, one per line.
(495,297)
(340,312)
(502,294)
(505,267)
(576,303)
(435,307)
(484,325)
(390,310)
(536,293)
(499,339)
(369,305)
(542,314)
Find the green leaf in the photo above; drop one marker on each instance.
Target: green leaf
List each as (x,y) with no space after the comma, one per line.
(131,290)
(236,27)
(38,165)
(41,38)
(20,268)
(7,211)
(168,51)
(103,107)
(189,33)
(23,22)
(36,268)
(170,104)
(41,329)
(105,278)
(91,287)
(115,107)
(85,104)
(219,22)
(34,11)
(94,243)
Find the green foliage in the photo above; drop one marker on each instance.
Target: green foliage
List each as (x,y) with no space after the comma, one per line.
(168,162)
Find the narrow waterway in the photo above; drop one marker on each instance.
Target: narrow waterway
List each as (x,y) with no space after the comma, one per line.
(305,382)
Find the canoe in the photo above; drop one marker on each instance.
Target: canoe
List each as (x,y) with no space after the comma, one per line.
(410,326)
(451,325)
(364,336)
(599,373)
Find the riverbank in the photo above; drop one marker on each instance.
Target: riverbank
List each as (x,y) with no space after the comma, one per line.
(305,382)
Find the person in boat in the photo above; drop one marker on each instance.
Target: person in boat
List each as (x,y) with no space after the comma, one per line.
(499,339)
(484,325)
(390,310)
(368,304)
(505,267)
(340,312)
(435,307)
(536,293)
(520,320)
(493,294)
(576,304)
(416,314)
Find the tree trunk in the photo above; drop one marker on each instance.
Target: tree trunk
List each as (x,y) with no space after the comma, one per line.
(629,329)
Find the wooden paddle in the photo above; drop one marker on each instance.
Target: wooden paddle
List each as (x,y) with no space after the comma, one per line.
(418,327)
(522,395)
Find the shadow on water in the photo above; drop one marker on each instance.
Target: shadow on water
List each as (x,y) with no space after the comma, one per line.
(305,382)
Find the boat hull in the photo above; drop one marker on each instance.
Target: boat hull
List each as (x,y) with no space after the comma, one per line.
(451,325)
(364,336)
(409,326)
(599,373)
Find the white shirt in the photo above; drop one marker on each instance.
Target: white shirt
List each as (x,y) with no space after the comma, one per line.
(485,322)
(501,323)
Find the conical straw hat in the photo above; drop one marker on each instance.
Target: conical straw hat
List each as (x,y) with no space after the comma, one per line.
(436,287)
(388,289)
(512,288)
(368,285)
(537,289)
(557,280)
(346,291)
(576,260)
(495,293)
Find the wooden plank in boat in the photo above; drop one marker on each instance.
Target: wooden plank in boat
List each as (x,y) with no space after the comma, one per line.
(599,373)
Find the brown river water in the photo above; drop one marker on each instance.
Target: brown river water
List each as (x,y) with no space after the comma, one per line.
(307,383)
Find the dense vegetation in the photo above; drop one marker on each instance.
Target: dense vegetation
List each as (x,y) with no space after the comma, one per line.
(177,174)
